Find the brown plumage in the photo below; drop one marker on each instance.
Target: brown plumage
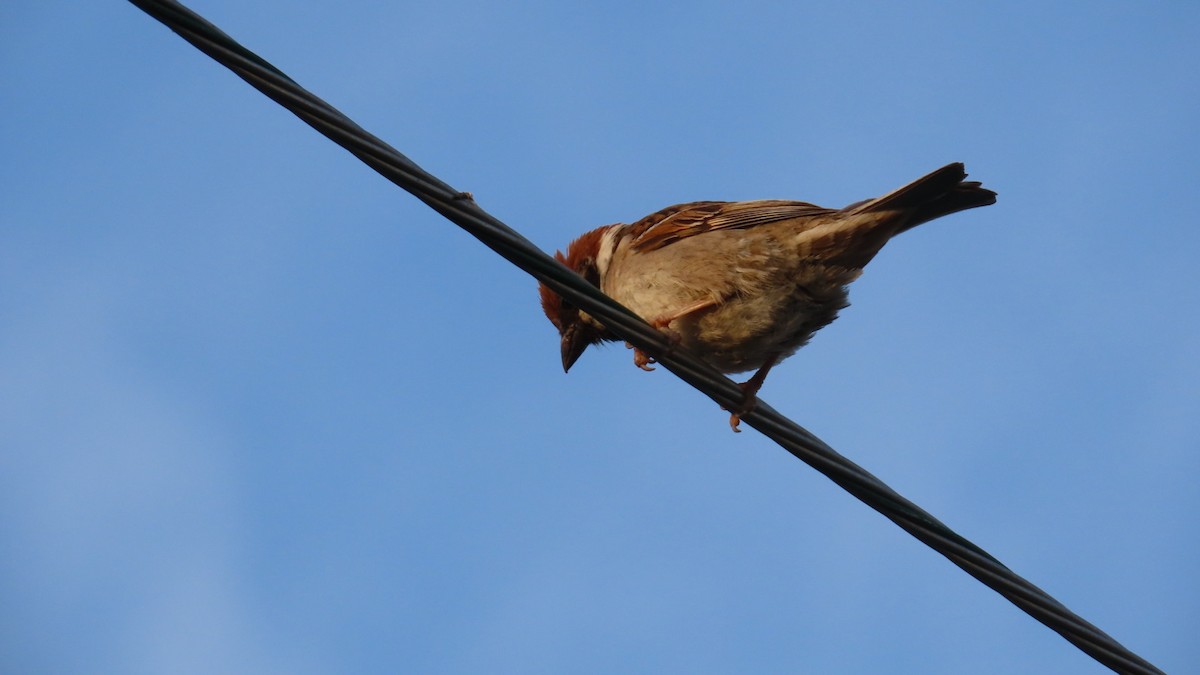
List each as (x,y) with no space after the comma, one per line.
(743,285)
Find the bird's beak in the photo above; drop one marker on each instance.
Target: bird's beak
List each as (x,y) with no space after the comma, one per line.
(574,342)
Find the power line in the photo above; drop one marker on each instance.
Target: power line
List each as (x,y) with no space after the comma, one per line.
(459,208)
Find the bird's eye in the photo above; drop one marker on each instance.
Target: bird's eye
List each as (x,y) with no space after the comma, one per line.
(592,274)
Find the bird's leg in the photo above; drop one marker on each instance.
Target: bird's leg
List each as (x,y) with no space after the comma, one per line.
(750,392)
(663,323)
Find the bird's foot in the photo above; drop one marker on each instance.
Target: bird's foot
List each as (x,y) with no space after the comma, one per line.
(750,393)
(643,360)
(640,358)
(749,400)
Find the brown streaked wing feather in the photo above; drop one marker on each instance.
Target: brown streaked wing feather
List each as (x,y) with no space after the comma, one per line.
(686,220)
(682,215)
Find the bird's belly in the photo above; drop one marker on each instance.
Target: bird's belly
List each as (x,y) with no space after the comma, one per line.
(742,334)
(765,303)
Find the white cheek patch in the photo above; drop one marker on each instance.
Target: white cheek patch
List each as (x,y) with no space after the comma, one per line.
(608,244)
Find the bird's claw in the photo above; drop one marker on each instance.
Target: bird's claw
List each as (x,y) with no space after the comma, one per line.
(749,402)
(641,359)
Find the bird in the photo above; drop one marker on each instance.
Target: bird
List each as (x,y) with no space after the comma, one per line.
(743,285)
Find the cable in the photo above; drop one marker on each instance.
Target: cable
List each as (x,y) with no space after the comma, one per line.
(459,208)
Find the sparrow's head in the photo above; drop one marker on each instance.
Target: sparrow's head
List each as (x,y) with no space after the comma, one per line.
(577,329)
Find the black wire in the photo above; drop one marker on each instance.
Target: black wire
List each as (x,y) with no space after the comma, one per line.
(460,209)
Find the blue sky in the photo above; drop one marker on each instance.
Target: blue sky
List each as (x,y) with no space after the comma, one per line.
(261,411)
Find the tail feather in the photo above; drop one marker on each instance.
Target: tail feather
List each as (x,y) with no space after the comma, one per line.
(870,224)
(938,194)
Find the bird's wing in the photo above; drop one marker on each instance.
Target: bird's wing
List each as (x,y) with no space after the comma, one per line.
(687,220)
